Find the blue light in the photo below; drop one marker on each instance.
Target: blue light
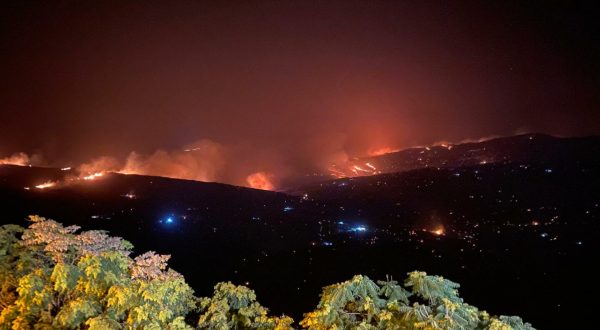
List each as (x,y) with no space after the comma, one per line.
(340,222)
(287,209)
(358,229)
(169,220)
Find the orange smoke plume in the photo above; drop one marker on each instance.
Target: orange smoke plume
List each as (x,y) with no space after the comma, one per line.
(99,165)
(202,161)
(20,159)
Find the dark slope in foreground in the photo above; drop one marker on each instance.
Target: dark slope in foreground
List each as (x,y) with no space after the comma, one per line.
(215,232)
(137,205)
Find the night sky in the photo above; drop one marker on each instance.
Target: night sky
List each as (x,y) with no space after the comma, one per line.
(286,86)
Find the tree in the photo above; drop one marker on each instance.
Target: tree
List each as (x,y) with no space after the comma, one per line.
(53,276)
(362,304)
(71,280)
(235,307)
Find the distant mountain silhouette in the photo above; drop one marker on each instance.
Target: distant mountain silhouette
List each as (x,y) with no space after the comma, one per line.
(513,149)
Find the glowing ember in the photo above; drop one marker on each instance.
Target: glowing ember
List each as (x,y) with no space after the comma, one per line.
(65,169)
(45,185)
(260,180)
(93,176)
(439,231)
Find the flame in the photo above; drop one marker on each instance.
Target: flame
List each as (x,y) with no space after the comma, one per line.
(129,195)
(66,168)
(336,173)
(358,168)
(382,151)
(260,180)
(362,169)
(93,176)
(46,184)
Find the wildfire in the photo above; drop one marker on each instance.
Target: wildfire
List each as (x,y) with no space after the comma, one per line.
(68,180)
(93,176)
(444,144)
(358,168)
(382,151)
(439,231)
(334,171)
(46,184)
(260,180)
(352,170)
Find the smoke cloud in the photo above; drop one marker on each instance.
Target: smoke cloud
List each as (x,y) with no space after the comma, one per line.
(101,164)
(255,166)
(202,161)
(22,159)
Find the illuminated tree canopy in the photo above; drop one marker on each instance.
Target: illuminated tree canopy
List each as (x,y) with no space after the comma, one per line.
(53,276)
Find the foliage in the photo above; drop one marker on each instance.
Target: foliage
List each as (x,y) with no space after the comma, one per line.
(235,307)
(362,304)
(53,276)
